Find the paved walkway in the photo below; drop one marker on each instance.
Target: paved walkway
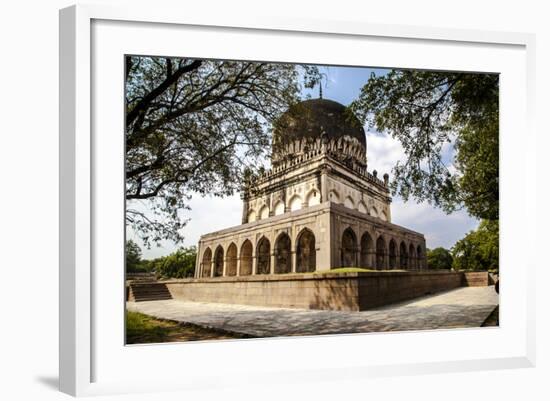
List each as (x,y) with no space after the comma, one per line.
(462,307)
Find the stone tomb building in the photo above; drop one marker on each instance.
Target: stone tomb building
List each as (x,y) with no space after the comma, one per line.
(316,209)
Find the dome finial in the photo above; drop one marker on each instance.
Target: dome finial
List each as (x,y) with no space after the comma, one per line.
(320,89)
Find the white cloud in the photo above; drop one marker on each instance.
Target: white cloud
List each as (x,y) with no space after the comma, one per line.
(383,152)
(206,214)
(210,214)
(331,75)
(440,229)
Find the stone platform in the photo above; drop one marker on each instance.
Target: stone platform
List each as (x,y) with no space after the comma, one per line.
(328,291)
(459,308)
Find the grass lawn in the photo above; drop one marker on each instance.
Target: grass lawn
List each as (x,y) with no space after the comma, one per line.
(346,270)
(143,329)
(354,270)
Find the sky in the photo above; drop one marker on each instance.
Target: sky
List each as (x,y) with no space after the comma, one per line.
(342,84)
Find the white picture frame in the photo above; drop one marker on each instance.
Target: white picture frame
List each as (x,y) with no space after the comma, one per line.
(92,363)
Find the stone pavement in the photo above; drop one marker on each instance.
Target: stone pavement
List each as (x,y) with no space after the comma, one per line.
(458,308)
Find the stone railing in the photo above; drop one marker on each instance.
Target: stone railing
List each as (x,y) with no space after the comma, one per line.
(284,166)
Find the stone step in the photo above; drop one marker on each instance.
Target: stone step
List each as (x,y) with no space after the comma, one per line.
(158,298)
(148,292)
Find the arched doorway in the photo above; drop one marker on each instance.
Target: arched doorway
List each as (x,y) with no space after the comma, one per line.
(282,254)
(246,259)
(231,268)
(306,255)
(218,262)
(393,254)
(348,202)
(264,213)
(206,264)
(334,197)
(295,203)
(279,208)
(349,249)
(251,216)
(313,198)
(380,253)
(366,250)
(403,257)
(263,255)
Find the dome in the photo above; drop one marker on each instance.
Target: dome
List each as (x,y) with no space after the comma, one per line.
(312,118)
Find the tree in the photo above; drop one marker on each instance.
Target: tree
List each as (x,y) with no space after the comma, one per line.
(439,258)
(194,126)
(133,256)
(428,111)
(478,250)
(179,264)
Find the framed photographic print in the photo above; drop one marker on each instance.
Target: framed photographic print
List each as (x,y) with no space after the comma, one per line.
(289,197)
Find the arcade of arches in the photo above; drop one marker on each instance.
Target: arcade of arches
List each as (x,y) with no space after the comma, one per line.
(266,259)
(281,258)
(384,256)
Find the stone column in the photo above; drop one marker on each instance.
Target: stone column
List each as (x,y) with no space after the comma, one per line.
(293,261)
(224,271)
(324,189)
(212,265)
(397,257)
(254,263)
(270,206)
(238,273)
(272,263)
(198,266)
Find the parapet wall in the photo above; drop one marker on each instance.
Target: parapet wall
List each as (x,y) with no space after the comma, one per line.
(330,291)
(476,279)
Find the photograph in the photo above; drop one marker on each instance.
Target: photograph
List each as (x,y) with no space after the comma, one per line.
(269,199)
(301,200)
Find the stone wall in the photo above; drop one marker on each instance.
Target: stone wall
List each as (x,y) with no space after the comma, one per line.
(330,291)
(476,279)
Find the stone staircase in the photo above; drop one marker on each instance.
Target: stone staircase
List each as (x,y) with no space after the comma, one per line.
(139,292)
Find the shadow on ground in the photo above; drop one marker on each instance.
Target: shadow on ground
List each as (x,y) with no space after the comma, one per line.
(51,382)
